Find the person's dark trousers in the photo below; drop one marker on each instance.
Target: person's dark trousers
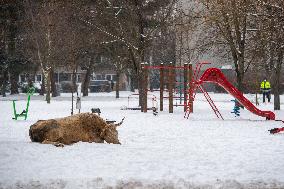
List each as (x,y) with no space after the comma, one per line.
(263,94)
(266,95)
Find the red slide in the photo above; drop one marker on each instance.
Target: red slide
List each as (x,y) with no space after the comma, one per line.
(215,75)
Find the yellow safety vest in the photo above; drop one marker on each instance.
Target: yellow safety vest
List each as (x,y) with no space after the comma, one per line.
(265,85)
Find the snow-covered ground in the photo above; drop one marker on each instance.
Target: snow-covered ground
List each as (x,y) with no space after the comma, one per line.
(164,151)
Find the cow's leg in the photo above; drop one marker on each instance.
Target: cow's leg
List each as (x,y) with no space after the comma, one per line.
(57,144)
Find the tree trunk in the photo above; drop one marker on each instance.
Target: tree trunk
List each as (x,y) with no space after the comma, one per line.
(49,52)
(14,83)
(86,83)
(133,82)
(47,86)
(4,84)
(117,85)
(134,72)
(276,94)
(240,77)
(12,31)
(140,89)
(3,89)
(141,49)
(85,86)
(53,84)
(74,85)
(277,81)
(31,80)
(42,90)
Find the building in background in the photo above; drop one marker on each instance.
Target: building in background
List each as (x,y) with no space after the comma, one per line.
(104,74)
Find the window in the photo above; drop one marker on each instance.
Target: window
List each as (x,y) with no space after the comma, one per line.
(64,77)
(102,59)
(83,68)
(79,78)
(114,78)
(22,78)
(56,77)
(108,77)
(100,77)
(93,77)
(38,78)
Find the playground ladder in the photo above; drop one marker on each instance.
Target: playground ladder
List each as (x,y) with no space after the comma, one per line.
(192,90)
(210,101)
(192,93)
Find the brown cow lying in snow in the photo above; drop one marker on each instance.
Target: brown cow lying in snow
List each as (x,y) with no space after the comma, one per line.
(85,127)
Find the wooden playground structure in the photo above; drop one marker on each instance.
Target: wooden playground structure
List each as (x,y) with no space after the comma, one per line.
(168,83)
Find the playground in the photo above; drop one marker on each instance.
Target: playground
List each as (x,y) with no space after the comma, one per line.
(166,150)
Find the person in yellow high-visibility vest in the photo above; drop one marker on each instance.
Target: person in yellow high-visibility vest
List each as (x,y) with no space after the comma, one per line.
(265,88)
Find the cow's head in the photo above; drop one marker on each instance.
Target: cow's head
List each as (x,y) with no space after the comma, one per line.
(110,134)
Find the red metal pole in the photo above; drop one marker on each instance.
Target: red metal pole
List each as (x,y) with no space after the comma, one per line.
(171,83)
(161,88)
(190,80)
(185,80)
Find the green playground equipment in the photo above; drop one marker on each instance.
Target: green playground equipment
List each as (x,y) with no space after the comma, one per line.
(25,111)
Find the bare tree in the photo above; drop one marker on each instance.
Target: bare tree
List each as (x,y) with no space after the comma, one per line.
(269,40)
(230,18)
(41,15)
(133,24)
(56,40)
(120,59)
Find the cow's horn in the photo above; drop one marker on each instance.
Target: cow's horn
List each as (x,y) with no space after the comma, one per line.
(120,123)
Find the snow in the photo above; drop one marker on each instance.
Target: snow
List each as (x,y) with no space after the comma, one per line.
(164,151)
(227,67)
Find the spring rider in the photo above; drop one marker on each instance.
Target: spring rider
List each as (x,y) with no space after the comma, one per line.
(236,109)
(25,111)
